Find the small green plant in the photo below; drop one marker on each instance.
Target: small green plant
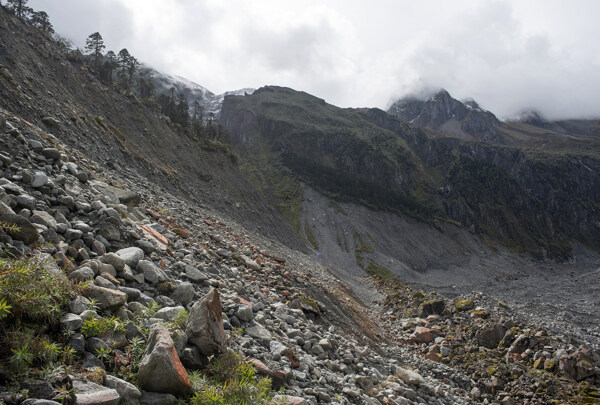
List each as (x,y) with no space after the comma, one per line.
(98,326)
(53,372)
(179,322)
(93,305)
(21,358)
(105,355)
(4,309)
(230,380)
(8,227)
(65,394)
(151,310)
(68,353)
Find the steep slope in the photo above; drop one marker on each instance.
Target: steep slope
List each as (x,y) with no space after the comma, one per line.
(441,112)
(530,200)
(38,81)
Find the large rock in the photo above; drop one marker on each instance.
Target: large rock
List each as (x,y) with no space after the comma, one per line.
(26,233)
(257,331)
(409,377)
(205,324)
(43,218)
(131,255)
(431,307)
(183,293)
(128,392)
(89,393)
(151,272)
(160,368)
(106,297)
(490,337)
(115,260)
(39,179)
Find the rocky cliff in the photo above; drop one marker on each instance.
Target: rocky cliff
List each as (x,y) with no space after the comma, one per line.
(535,200)
(443,113)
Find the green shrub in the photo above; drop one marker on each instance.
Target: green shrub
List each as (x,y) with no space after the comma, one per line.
(96,327)
(32,289)
(229,379)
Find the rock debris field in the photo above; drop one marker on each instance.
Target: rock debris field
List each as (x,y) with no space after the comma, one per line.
(190,286)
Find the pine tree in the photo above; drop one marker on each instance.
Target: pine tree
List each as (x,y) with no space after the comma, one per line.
(95,44)
(19,7)
(123,63)
(132,66)
(41,20)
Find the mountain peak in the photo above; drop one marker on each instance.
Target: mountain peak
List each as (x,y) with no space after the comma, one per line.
(442,112)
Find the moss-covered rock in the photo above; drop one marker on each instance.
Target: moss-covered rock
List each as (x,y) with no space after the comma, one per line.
(464,305)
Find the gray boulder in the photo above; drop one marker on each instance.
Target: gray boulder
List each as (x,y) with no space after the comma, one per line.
(160,368)
(128,392)
(131,255)
(89,393)
(205,324)
(151,272)
(106,297)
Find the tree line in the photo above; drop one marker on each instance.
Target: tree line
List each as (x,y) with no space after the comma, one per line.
(39,19)
(124,72)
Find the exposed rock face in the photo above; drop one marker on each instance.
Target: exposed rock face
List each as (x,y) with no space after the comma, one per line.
(205,325)
(446,114)
(160,368)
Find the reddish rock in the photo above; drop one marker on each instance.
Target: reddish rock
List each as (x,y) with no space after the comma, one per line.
(434,356)
(423,334)
(278,377)
(160,368)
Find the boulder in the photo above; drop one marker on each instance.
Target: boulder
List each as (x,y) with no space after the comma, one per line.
(183,293)
(43,218)
(115,260)
(205,324)
(491,336)
(26,233)
(131,255)
(257,331)
(128,392)
(409,377)
(151,272)
(431,307)
(106,297)
(39,179)
(51,153)
(89,393)
(160,369)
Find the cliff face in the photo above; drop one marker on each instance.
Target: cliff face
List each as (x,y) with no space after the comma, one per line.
(446,114)
(535,200)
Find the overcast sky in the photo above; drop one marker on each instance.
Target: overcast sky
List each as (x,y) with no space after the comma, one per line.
(508,55)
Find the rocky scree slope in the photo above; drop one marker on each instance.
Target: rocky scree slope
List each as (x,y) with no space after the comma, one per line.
(148,257)
(531,200)
(119,130)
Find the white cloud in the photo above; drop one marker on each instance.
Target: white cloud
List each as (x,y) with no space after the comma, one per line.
(508,55)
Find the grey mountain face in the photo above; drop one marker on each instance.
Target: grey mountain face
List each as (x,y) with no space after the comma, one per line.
(446,114)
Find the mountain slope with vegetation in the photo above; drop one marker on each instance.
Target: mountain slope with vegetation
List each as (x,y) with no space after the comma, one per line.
(535,200)
(43,78)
